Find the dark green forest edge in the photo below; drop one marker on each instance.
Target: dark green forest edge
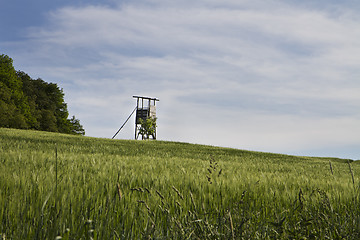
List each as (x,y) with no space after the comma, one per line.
(26,103)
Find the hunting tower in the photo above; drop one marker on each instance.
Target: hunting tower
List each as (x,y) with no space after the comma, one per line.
(145,108)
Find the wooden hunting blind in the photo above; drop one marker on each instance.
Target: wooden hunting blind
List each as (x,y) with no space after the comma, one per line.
(145,109)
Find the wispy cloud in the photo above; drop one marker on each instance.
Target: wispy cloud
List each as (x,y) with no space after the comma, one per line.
(274,76)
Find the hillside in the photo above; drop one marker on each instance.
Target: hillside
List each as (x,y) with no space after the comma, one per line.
(70,187)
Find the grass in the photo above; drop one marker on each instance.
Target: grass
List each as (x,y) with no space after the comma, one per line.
(55,186)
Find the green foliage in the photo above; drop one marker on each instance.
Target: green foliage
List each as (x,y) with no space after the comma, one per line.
(76,127)
(148,127)
(32,104)
(13,102)
(8,74)
(75,187)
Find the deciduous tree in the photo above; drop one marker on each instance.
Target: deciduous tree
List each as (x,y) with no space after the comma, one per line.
(35,104)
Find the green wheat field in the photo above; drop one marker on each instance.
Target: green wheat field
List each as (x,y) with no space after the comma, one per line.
(56,186)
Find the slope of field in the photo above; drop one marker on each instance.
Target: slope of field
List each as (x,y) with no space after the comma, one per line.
(69,187)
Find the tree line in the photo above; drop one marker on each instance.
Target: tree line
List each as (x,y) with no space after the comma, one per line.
(27,103)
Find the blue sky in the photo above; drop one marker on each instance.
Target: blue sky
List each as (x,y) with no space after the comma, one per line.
(275,76)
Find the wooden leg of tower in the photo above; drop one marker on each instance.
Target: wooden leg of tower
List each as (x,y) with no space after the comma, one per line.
(136,132)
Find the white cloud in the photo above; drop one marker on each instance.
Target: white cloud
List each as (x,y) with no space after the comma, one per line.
(286,76)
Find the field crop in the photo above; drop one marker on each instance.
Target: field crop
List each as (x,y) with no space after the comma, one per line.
(56,186)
